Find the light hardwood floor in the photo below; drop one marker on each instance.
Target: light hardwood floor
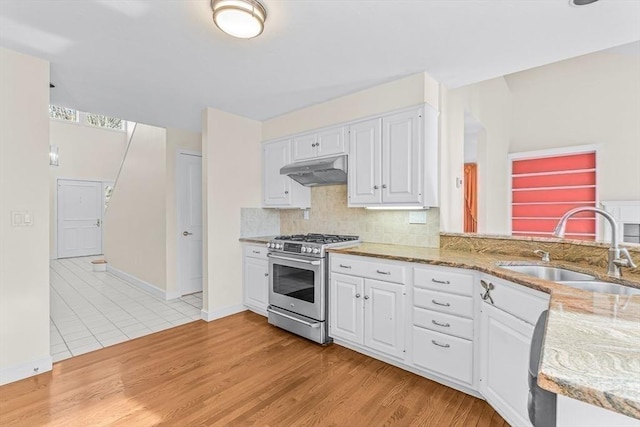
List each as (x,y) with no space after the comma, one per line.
(234,371)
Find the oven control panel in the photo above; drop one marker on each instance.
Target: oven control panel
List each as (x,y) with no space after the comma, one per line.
(308,249)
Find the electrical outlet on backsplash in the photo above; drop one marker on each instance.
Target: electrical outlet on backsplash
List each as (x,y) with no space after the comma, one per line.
(329,214)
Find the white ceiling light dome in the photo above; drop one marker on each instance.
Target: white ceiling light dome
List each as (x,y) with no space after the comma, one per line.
(239,18)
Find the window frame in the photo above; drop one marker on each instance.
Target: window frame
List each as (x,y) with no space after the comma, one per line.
(553,152)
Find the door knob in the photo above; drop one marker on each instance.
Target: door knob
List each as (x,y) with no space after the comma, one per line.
(98,222)
(186,233)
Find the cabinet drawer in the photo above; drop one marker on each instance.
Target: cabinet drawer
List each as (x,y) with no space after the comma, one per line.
(442,280)
(259,252)
(442,302)
(524,303)
(445,323)
(370,269)
(443,354)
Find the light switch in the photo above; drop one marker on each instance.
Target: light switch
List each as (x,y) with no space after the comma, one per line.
(16,219)
(27,218)
(305,215)
(418,217)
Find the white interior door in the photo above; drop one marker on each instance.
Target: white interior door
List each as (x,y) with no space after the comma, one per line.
(189,169)
(79,218)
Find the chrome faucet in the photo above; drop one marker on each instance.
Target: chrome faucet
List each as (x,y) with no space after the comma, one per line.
(542,254)
(615,251)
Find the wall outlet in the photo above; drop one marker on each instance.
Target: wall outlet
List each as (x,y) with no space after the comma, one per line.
(305,214)
(418,217)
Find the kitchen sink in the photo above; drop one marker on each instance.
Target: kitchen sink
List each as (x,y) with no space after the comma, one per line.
(554,274)
(602,287)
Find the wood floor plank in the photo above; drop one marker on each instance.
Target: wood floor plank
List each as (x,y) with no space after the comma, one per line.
(237,371)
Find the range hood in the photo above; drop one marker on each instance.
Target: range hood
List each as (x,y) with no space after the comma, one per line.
(312,173)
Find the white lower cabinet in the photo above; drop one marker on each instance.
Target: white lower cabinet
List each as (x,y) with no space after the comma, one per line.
(256,279)
(505,341)
(444,354)
(368,313)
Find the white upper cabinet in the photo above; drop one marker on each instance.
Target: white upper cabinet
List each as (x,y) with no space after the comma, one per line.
(401,149)
(322,143)
(365,152)
(393,159)
(280,191)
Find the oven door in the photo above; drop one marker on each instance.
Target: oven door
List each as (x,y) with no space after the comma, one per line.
(297,284)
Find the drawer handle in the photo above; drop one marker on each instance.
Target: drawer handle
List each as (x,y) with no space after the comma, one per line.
(384,272)
(439,344)
(444,325)
(345,266)
(256,252)
(442,282)
(444,304)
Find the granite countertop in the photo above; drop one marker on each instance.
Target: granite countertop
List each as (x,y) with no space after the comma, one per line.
(258,239)
(591,348)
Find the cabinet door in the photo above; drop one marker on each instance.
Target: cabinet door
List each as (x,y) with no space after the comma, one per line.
(276,187)
(304,147)
(365,150)
(345,308)
(504,362)
(256,283)
(330,142)
(384,317)
(401,158)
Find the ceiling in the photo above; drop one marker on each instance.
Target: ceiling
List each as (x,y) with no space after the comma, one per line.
(162,62)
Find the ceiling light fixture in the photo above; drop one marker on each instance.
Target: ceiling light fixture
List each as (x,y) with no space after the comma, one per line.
(581,2)
(239,18)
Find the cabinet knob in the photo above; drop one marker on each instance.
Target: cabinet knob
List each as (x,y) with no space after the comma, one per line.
(375,187)
(357,295)
(286,192)
(366,297)
(313,145)
(317,144)
(384,185)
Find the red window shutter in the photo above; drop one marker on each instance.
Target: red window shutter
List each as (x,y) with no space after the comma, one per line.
(544,188)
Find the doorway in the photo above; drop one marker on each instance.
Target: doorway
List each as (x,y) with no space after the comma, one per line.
(79,218)
(472,130)
(189,197)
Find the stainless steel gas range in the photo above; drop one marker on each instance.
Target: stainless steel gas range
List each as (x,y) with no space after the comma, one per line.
(298,276)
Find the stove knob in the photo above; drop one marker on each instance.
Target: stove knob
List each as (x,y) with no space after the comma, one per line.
(316,250)
(272,245)
(303,249)
(278,246)
(268,245)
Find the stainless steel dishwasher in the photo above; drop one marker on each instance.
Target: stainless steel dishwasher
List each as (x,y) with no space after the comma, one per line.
(542,403)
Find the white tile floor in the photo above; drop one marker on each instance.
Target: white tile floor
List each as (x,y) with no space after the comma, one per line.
(91,310)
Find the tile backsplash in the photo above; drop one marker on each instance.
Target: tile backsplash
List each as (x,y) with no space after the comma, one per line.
(259,222)
(329,214)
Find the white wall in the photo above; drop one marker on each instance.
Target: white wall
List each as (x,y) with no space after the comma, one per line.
(24,251)
(412,90)
(86,153)
(592,99)
(135,223)
(490,103)
(231,180)
(177,139)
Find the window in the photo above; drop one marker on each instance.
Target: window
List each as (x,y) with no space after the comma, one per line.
(62,113)
(104,121)
(543,188)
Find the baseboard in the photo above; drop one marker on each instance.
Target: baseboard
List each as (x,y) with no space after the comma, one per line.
(173,294)
(145,286)
(25,370)
(218,313)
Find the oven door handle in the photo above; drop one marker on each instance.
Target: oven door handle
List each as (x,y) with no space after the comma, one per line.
(304,261)
(279,313)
